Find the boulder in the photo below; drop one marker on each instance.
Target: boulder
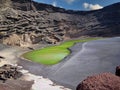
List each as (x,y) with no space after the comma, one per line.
(104,81)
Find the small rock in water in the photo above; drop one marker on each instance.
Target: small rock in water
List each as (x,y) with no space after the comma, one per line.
(1,57)
(117,71)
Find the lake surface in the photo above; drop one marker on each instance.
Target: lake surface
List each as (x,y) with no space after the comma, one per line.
(53,54)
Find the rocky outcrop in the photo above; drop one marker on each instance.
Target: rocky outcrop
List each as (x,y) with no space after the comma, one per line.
(9,72)
(31,22)
(10,79)
(104,81)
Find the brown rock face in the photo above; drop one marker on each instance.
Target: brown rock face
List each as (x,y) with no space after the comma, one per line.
(104,81)
(117,71)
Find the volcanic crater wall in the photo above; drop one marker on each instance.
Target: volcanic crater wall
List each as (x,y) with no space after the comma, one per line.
(25,22)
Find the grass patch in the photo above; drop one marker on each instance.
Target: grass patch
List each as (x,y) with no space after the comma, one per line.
(53,54)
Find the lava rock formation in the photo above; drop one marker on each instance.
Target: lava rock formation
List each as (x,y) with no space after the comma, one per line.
(25,22)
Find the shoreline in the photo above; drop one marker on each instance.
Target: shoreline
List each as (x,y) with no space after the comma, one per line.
(47,83)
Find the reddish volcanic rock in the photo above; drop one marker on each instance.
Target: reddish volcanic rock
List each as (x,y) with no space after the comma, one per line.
(104,81)
(117,71)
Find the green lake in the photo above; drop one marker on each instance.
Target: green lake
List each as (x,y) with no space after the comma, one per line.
(53,54)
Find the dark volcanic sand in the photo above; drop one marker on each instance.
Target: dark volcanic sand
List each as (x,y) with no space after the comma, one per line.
(85,60)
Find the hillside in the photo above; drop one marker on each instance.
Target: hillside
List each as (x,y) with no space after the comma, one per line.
(25,22)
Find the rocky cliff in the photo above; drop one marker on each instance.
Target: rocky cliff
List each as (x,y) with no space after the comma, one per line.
(25,22)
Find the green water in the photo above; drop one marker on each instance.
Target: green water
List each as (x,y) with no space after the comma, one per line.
(53,54)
